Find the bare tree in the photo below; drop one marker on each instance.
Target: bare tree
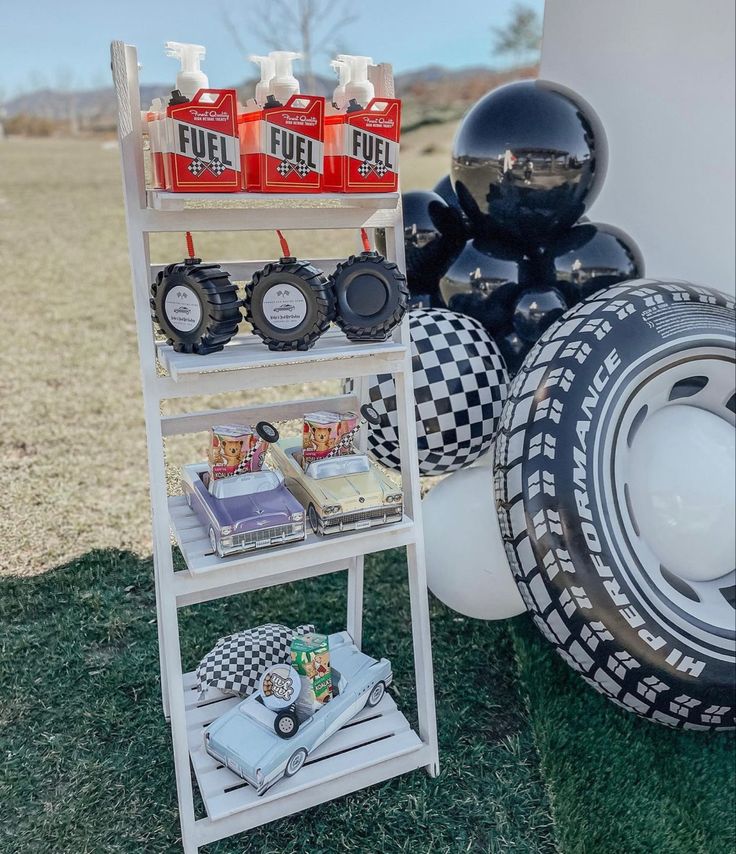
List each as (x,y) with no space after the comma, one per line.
(521,37)
(313,27)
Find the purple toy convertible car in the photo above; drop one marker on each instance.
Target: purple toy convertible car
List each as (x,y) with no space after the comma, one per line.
(244,511)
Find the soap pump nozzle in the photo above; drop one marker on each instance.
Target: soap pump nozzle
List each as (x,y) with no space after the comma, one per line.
(190,78)
(359,86)
(284,84)
(263,87)
(339,99)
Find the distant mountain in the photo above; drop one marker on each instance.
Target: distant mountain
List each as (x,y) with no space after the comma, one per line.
(425,89)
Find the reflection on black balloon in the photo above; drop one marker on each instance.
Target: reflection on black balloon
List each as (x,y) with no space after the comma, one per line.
(444,189)
(433,235)
(527,161)
(483,282)
(536,310)
(513,349)
(593,256)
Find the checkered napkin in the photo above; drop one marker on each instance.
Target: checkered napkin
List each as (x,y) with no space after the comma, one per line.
(235,664)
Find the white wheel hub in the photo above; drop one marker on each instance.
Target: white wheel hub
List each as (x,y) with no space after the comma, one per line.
(673,482)
(683,491)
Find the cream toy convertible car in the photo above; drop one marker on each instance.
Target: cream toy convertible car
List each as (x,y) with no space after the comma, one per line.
(341,493)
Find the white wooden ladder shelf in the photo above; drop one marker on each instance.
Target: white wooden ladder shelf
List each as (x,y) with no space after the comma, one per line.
(380,743)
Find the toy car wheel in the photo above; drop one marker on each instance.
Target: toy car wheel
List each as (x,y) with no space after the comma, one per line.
(370,413)
(376,695)
(213,543)
(295,762)
(313,518)
(195,306)
(286,724)
(267,432)
(372,296)
(290,304)
(615,493)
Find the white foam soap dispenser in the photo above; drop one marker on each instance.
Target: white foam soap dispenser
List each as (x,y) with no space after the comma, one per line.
(339,98)
(190,78)
(358,88)
(283,84)
(265,84)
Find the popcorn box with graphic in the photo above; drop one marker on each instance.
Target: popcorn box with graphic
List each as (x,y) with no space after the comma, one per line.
(234,449)
(283,146)
(362,149)
(310,657)
(202,149)
(326,434)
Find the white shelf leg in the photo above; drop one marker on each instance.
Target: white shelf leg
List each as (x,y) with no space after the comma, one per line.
(355,601)
(421,634)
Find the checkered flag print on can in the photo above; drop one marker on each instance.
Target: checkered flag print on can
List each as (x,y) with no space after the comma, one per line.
(236,662)
(244,464)
(365,169)
(216,166)
(301,169)
(460,387)
(197,167)
(380,169)
(345,443)
(284,168)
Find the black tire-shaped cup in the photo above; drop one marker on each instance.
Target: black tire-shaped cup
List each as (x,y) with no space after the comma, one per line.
(289,304)
(371,295)
(195,306)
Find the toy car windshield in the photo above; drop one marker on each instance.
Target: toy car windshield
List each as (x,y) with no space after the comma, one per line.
(250,483)
(338,466)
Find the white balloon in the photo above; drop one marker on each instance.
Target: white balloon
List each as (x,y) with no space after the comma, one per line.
(467,567)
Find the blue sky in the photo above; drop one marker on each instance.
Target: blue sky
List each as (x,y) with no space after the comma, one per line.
(43,43)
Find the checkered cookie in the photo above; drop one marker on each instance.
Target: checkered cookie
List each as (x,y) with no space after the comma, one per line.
(236,663)
(460,387)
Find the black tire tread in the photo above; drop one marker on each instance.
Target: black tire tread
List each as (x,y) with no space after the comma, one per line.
(565,627)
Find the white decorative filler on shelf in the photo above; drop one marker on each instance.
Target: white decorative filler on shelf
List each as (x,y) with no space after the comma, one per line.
(380,742)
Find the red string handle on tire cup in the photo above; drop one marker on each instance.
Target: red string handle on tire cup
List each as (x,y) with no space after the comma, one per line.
(366,241)
(190,244)
(285,252)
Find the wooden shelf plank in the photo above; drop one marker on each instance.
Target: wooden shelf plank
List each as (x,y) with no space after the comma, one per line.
(333,356)
(163,200)
(208,576)
(370,739)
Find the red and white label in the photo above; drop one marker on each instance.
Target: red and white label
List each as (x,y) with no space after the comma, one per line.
(193,142)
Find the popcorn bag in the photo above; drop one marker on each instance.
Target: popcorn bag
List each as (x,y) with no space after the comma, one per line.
(235,449)
(310,657)
(327,434)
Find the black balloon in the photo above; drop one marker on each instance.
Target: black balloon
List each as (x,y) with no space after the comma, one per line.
(445,190)
(536,310)
(590,257)
(527,161)
(433,235)
(483,282)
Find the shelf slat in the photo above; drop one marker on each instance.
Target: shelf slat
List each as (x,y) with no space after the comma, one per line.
(371,738)
(163,200)
(208,576)
(245,363)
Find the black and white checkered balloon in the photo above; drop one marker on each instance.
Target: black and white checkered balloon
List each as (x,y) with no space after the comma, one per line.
(460,387)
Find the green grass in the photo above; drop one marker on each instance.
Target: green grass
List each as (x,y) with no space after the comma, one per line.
(86,753)
(619,784)
(531,758)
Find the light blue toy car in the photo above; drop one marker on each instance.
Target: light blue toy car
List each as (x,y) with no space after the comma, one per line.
(245,739)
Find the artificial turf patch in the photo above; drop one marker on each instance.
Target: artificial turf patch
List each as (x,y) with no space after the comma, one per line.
(87,763)
(619,784)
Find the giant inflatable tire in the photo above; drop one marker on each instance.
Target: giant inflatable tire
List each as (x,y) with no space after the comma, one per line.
(614,488)
(195,306)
